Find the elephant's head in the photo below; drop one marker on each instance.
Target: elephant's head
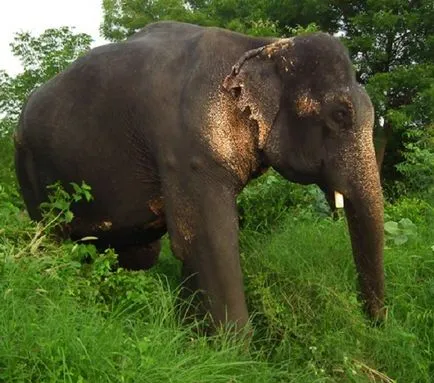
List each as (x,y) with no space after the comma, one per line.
(315,125)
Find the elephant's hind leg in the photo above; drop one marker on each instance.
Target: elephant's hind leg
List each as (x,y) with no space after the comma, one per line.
(139,257)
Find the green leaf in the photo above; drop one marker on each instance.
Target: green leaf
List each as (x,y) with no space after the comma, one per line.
(408,226)
(69,216)
(87,195)
(391,227)
(77,189)
(400,239)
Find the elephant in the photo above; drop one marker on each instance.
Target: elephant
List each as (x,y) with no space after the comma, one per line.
(168,126)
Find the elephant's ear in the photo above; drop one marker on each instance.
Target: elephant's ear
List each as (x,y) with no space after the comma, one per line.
(255,85)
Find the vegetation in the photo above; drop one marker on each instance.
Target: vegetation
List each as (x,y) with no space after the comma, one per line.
(69,314)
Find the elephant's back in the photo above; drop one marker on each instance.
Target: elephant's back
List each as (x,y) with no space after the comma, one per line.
(166,31)
(156,60)
(116,89)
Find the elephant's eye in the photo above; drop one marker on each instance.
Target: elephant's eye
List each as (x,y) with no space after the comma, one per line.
(339,115)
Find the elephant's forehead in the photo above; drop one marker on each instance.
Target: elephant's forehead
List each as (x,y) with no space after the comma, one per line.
(306,104)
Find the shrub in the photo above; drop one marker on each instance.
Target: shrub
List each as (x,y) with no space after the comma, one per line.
(264,203)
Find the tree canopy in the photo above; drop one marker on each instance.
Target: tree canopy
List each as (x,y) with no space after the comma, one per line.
(391,43)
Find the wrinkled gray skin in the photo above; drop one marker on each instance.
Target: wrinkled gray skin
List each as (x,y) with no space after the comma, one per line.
(169,126)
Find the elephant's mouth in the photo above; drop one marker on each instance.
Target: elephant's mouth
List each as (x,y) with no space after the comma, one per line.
(301,177)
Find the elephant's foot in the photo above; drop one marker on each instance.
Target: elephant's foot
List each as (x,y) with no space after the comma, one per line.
(191,297)
(376,312)
(139,257)
(196,307)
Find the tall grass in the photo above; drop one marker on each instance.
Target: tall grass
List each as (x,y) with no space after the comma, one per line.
(68,315)
(301,282)
(59,323)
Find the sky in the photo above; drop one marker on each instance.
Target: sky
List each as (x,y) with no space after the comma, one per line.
(37,15)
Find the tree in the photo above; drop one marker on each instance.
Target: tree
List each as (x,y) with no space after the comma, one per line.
(123,18)
(392,45)
(42,57)
(265,17)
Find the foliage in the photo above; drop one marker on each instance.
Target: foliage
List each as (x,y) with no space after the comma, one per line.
(416,209)
(416,167)
(48,54)
(392,45)
(69,311)
(57,210)
(399,232)
(257,17)
(42,57)
(123,18)
(267,200)
(10,200)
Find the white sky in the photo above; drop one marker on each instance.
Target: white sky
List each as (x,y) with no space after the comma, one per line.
(37,15)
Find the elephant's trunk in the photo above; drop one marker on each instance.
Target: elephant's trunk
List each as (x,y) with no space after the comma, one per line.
(364,211)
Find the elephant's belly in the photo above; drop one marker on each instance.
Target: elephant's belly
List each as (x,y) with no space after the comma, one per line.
(119,225)
(105,233)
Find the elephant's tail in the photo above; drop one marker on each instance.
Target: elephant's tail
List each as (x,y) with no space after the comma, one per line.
(27,178)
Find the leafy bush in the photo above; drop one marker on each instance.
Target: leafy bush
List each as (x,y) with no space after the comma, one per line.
(418,166)
(268,199)
(400,232)
(57,210)
(414,208)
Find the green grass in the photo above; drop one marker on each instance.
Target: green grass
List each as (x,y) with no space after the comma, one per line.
(303,282)
(66,320)
(58,325)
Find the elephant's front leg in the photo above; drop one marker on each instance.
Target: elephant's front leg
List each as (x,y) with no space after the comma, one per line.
(203,229)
